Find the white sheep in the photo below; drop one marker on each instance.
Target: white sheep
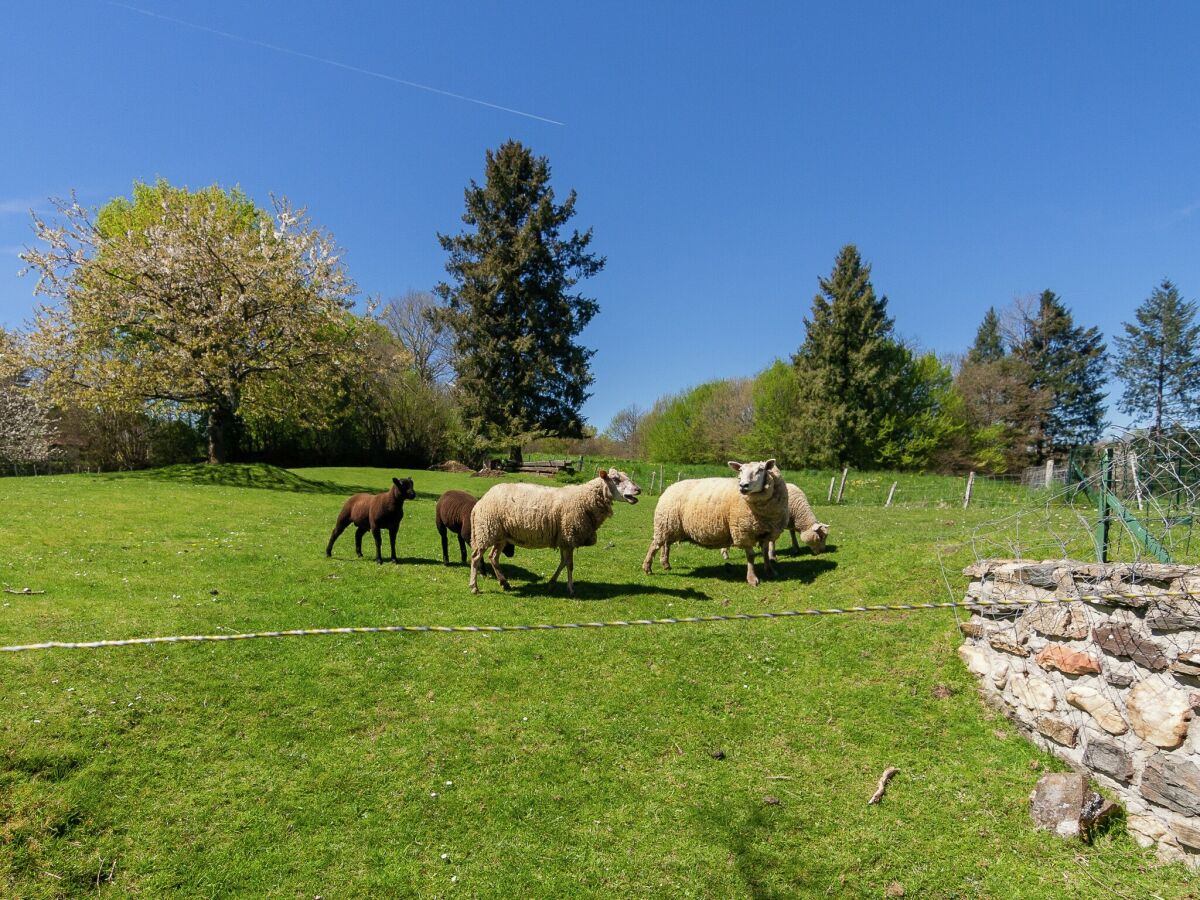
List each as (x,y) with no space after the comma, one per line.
(723,512)
(800,515)
(539,516)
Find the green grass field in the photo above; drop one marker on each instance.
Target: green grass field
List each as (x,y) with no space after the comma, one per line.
(545,764)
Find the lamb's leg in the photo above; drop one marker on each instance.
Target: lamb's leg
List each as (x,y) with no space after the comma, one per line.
(494,559)
(771,552)
(476,559)
(751,578)
(462,548)
(337,531)
(377,534)
(358,536)
(795,543)
(441,527)
(392,535)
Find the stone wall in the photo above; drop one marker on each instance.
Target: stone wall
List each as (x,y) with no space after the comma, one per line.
(1109,682)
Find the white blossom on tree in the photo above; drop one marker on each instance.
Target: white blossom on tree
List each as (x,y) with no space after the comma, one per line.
(197,298)
(25,426)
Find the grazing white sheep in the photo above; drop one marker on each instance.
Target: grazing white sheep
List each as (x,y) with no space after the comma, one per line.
(749,510)
(539,516)
(800,515)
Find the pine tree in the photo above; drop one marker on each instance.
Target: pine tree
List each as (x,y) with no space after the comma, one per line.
(848,367)
(1066,365)
(1159,358)
(510,303)
(989,345)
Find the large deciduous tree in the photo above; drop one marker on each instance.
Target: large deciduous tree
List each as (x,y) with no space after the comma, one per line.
(25,426)
(849,368)
(1065,362)
(512,304)
(1158,358)
(197,298)
(414,321)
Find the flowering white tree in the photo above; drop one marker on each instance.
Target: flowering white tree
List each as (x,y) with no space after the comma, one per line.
(198,298)
(25,427)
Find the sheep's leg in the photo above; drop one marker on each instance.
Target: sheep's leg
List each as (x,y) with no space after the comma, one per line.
(358,536)
(664,558)
(392,535)
(494,559)
(377,534)
(725,554)
(441,527)
(462,548)
(476,559)
(751,578)
(768,549)
(337,531)
(795,543)
(570,551)
(562,564)
(646,563)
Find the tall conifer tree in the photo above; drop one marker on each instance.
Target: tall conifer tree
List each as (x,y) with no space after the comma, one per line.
(1065,364)
(511,303)
(1159,359)
(989,344)
(849,366)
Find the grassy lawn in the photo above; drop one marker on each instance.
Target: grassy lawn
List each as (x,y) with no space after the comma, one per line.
(578,763)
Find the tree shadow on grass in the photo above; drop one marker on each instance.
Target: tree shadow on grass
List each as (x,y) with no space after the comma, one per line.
(261,476)
(801,570)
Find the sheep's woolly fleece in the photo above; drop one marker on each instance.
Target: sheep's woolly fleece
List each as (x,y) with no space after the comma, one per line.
(801,517)
(713,513)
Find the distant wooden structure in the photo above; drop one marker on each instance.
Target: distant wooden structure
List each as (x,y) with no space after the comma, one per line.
(549,467)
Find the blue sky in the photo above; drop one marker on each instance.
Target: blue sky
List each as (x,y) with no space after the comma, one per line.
(721,152)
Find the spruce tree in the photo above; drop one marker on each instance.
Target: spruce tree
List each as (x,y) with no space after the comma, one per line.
(511,304)
(989,344)
(1159,359)
(848,368)
(1065,364)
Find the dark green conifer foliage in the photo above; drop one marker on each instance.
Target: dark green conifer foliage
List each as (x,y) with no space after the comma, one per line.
(512,306)
(1066,365)
(848,368)
(989,344)
(1158,359)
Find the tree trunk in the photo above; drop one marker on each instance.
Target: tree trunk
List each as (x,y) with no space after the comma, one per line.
(221,436)
(514,454)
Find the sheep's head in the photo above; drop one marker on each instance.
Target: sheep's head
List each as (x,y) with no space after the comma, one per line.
(402,488)
(753,476)
(620,484)
(815,537)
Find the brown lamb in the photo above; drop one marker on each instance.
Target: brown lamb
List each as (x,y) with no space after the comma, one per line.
(453,513)
(374,512)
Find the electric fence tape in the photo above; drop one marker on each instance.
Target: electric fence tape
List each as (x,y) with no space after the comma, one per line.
(562,626)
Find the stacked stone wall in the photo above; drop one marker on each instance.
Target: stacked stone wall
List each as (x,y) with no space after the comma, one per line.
(1109,681)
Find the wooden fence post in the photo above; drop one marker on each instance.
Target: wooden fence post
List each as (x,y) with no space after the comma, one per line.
(891,494)
(1049,474)
(970,487)
(832,482)
(842,486)
(1137,485)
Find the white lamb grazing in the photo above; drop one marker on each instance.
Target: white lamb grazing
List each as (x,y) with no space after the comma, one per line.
(539,516)
(723,512)
(800,515)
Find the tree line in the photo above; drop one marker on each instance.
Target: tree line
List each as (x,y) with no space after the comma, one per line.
(177,324)
(1031,387)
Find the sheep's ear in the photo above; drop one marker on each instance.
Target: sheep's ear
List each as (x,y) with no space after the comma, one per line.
(771,465)
(396,482)
(736,466)
(603,473)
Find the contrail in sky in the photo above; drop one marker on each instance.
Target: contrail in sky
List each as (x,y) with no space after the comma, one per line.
(329,62)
